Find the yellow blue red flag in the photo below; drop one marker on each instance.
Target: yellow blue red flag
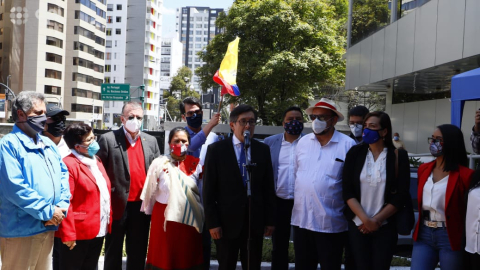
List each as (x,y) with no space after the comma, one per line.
(226,76)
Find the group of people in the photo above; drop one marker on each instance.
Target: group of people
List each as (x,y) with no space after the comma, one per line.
(63,193)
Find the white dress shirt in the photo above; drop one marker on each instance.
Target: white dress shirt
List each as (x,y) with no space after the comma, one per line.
(286,169)
(434,198)
(131,140)
(63,148)
(318,204)
(238,150)
(92,165)
(373,179)
(472,222)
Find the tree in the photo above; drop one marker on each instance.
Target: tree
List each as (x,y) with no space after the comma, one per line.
(368,16)
(286,48)
(180,88)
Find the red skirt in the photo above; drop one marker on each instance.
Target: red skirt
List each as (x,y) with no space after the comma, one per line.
(179,247)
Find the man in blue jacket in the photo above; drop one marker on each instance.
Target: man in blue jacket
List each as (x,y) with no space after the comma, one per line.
(34,189)
(282,149)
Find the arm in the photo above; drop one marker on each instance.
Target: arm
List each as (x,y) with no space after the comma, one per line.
(64,188)
(199,139)
(67,228)
(269,195)
(348,190)
(213,122)
(17,190)
(210,191)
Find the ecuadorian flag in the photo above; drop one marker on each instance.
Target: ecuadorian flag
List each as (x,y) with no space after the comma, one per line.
(226,76)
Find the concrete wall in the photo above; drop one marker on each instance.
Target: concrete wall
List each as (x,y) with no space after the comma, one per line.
(439,32)
(416,121)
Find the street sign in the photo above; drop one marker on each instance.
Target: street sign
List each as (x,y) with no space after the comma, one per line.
(115,92)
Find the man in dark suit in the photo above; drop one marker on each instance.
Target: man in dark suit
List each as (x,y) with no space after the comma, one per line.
(126,154)
(225,194)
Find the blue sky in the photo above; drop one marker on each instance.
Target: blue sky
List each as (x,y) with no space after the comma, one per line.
(170,7)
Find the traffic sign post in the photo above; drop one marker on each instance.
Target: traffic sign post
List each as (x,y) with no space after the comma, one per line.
(115,92)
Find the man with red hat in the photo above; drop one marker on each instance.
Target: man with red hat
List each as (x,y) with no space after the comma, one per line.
(320,228)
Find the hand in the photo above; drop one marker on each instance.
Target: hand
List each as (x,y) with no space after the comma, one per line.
(215,120)
(216,233)
(269,230)
(477,121)
(372,224)
(363,229)
(58,216)
(70,244)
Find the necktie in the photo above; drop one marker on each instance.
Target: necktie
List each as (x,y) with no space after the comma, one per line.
(242,161)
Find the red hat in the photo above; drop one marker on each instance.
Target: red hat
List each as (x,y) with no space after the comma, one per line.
(326,104)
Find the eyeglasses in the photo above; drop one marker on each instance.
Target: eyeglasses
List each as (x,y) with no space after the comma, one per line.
(92,139)
(320,117)
(434,140)
(133,117)
(194,113)
(244,122)
(58,118)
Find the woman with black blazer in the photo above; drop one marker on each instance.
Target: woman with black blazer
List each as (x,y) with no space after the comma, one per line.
(374,191)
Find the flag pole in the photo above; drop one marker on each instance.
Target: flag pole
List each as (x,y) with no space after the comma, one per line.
(220,104)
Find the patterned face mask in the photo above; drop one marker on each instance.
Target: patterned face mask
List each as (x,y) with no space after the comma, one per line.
(436,149)
(293,127)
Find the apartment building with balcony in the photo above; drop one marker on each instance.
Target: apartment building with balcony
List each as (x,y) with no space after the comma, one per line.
(171,62)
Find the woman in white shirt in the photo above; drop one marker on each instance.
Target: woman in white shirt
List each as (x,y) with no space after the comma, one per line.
(374,193)
(172,197)
(442,187)
(472,224)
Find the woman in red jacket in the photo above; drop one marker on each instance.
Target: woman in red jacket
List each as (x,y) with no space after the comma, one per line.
(89,215)
(442,185)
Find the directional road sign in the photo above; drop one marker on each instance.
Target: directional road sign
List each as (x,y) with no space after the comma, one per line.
(115,92)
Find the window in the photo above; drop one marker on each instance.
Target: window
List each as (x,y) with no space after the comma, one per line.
(88,49)
(119,19)
(198,19)
(119,7)
(205,25)
(184,38)
(198,32)
(115,43)
(191,25)
(114,67)
(78,77)
(54,42)
(118,31)
(190,52)
(114,55)
(199,25)
(189,59)
(55,25)
(51,57)
(109,19)
(198,39)
(109,56)
(190,39)
(86,108)
(89,19)
(55,9)
(108,44)
(87,64)
(90,4)
(198,46)
(110,7)
(53,90)
(108,68)
(86,94)
(109,31)
(107,79)
(190,32)
(1,46)
(54,74)
(1,16)
(184,25)
(205,32)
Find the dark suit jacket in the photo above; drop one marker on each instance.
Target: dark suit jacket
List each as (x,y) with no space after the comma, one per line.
(225,196)
(455,206)
(113,153)
(396,191)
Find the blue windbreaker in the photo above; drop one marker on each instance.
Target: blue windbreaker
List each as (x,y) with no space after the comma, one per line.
(32,182)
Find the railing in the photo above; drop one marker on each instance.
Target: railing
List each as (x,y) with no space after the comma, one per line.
(471,158)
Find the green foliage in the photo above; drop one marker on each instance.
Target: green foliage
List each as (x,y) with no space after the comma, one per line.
(286,48)
(415,162)
(368,16)
(179,89)
(372,100)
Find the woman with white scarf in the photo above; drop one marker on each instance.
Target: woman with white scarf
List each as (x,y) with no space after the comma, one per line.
(89,215)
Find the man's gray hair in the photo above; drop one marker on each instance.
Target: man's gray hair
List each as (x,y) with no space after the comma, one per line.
(25,101)
(133,104)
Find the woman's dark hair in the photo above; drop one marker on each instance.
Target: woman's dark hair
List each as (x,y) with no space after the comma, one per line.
(74,134)
(384,123)
(174,131)
(454,152)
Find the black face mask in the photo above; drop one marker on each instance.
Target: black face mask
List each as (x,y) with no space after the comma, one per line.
(195,121)
(56,128)
(37,122)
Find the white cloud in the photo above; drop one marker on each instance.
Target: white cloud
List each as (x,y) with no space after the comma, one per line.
(168,11)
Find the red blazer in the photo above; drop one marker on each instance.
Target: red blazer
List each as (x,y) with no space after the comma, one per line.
(455,206)
(83,217)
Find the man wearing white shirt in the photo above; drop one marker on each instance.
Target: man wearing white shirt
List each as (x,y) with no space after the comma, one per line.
(319,224)
(282,148)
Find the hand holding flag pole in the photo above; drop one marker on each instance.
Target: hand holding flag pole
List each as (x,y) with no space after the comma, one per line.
(226,75)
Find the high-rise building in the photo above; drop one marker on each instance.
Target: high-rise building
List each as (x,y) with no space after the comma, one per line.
(170,64)
(55,47)
(133,50)
(196,27)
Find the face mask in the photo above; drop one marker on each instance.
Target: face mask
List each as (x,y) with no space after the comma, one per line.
(293,127)
(195,121)
(319,126)
(356,130)
(133,125)
(370,136)
(37,122)
(179,149)
(396,138)
(436,149)
(92,148)
(56,128)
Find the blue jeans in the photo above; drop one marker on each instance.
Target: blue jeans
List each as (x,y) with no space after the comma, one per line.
(432,246)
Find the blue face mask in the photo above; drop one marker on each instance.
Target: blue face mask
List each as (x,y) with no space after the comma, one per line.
(396,138)
(370,136)
(92,148)
(195,121)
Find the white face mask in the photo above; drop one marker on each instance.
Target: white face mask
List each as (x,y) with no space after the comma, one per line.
(319,126)
(133,125)
(357,130)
